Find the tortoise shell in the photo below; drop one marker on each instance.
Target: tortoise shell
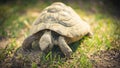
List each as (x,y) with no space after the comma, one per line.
(63,20)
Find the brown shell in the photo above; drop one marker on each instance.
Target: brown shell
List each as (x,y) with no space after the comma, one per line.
(62,19)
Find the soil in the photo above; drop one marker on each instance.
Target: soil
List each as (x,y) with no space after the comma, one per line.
(106,59)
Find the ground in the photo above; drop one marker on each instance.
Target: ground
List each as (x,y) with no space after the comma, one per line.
(100,51)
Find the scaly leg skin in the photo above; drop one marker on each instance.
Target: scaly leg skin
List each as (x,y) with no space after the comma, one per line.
(90,34)
(27,43)
(64,47)
(46,41)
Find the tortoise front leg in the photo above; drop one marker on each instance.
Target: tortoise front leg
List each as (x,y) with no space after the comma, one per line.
(46,41)
(90,34)
(64,47)
(27,43)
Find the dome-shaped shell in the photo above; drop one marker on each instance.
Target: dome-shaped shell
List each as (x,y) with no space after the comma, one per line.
(62,19)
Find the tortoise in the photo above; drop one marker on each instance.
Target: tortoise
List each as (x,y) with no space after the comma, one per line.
(57,24)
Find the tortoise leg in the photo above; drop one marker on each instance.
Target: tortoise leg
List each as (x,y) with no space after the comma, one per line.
(46,41)
(27,43)
(90,34)
(64,47)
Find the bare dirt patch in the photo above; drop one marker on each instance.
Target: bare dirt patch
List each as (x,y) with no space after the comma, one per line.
(106,59)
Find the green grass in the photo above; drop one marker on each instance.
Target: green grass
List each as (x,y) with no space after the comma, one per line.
(104,26)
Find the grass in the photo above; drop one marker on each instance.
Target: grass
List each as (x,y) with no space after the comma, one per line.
(105,28)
